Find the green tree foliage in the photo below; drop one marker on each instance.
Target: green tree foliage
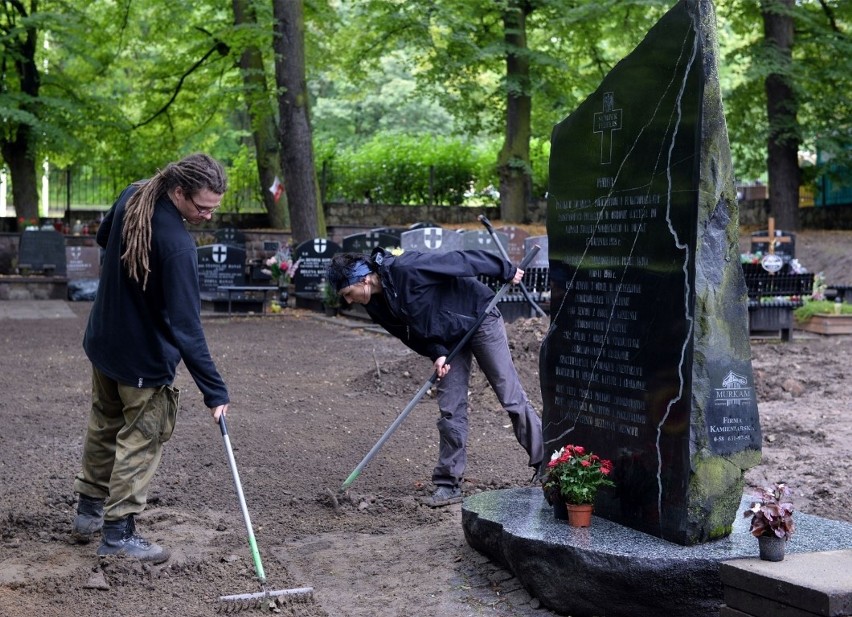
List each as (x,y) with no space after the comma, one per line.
(820,72)
(509,68)
(128,86)
(39,114)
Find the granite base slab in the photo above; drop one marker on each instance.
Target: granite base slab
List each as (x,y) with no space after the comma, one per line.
(803,585)
(608,570)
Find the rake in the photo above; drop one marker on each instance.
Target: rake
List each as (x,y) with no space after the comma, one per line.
(241,601)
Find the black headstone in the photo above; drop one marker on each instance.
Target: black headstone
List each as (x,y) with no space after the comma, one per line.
(42,252)
(542,258)
(423,225)
(648,362)
(431,239)
(365,242)
(480,239)
(313,257)
(230,236)
(220,265)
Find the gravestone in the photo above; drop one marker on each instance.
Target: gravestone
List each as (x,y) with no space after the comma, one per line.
(230,236)
(314,257)
(365,242)
(42,252)
(647,361)
(481,240)
(537,274)
(390,231)
(220,265)
(431,239)
(422,225)
(541,259)
(515,237)
(783,245)
(83,262)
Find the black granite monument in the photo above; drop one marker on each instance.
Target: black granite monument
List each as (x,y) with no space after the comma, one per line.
(648,361)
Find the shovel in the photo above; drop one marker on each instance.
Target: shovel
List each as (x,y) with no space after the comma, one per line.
(431,382)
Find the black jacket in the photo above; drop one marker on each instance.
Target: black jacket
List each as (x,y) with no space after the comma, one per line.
(431,300)
(138,337)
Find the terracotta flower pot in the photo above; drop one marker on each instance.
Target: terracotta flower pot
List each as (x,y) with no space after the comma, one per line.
(771,548)
(579,515)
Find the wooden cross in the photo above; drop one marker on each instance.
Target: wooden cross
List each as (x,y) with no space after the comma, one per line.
(772,239)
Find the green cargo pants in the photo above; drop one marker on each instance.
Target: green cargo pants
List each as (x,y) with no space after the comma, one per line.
(124,442)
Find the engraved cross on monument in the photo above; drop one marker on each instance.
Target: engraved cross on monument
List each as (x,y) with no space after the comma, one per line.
(605,122)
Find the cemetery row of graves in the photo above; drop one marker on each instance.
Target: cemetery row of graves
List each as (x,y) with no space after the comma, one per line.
(236,279)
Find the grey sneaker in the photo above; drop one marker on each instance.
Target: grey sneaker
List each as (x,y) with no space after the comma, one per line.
(89,519)
(443,496)
(120,538)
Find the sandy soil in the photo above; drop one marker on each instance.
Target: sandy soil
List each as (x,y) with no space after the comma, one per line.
(310,397)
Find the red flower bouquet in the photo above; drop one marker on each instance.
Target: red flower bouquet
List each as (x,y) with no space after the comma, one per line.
(577,475)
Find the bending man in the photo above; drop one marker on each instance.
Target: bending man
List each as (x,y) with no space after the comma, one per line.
(429,301)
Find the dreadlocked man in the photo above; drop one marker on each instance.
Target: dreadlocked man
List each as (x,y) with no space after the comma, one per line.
(145,319)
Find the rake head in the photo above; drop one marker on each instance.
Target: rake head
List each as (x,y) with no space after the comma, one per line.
(270,600)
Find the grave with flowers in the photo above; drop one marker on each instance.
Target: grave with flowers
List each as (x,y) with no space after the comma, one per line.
(647,361)
(777,283)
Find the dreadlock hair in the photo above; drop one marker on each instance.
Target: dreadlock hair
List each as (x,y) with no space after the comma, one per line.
(193,173)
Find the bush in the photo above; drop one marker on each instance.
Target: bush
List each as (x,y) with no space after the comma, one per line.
(407,169)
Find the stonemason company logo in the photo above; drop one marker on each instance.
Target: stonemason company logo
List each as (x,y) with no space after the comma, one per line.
(735,391)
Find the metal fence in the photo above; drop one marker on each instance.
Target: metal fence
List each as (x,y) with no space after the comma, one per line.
(83,188)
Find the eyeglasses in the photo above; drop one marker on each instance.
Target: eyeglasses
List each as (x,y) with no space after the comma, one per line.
(202,211)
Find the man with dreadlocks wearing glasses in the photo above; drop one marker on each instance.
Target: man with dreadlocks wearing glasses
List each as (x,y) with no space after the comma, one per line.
(145,319)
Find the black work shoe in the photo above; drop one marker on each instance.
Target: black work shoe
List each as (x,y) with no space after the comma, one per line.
(443,496)
(120,538)
(539,473)
(89,519)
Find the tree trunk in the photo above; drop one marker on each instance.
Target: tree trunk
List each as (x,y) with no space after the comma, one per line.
(22,170)
(514,161)
(297,154)
(17,141)
(782,106)
(263,127)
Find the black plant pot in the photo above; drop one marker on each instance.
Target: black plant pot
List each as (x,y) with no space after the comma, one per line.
(771,548)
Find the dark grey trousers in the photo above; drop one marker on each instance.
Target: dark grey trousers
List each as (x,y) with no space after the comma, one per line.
(490,347)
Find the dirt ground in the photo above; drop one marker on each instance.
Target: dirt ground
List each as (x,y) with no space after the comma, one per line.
(311,396)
